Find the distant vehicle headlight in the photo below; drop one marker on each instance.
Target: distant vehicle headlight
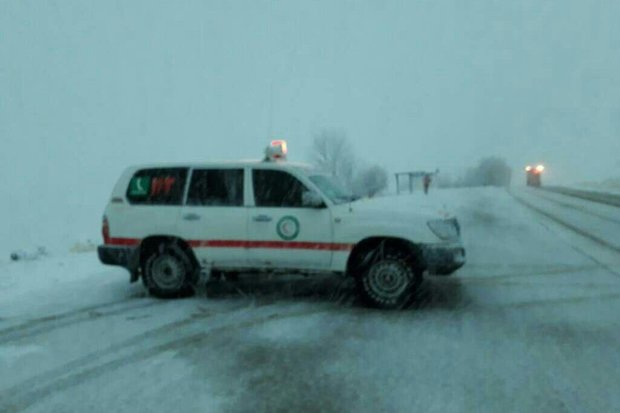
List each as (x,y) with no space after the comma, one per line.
(445,229)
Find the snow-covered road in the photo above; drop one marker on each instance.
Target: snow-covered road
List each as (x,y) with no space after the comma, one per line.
(529,324)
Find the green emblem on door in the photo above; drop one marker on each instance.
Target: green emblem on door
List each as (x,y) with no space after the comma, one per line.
(140,186)
(288,228)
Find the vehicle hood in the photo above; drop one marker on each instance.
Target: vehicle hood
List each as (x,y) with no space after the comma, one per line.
(394,216)
(393,208)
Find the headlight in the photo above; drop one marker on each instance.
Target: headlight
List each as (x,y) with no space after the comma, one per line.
(445,229)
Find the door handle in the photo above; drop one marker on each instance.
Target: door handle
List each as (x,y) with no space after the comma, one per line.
(191,217)
(262,218)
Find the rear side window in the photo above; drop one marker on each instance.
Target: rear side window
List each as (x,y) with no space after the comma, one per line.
(216,187)
(276,189)
(161,186)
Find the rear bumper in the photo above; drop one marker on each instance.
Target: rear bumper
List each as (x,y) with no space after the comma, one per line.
(444,259)
(126,257)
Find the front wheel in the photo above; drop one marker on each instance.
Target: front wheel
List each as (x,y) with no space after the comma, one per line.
(168,273)
(389,282)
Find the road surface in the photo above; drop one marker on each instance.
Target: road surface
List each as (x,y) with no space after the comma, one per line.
(529,324)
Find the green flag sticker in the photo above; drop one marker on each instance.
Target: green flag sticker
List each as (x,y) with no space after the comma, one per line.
(140,186)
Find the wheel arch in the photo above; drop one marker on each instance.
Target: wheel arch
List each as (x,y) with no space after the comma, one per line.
(152,242)
(364,252)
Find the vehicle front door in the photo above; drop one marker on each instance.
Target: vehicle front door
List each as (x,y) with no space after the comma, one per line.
(282,232)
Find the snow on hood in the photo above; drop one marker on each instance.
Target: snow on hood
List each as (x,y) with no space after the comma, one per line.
(394,206)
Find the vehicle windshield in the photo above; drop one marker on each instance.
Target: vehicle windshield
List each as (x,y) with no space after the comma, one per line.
(333,189)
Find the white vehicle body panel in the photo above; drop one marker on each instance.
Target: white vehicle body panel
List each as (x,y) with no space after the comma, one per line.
(214,232)
(312,229)
(249,237)
(314,238)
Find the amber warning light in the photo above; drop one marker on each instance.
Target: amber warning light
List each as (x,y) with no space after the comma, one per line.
(277,150)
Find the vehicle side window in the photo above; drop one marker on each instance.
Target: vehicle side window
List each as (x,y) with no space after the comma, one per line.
(216,187)
(276,189)
(161,186)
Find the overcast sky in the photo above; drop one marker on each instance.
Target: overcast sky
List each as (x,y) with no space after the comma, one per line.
(89,87)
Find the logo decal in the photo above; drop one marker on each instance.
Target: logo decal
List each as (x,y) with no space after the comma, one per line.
(140,186)
(288,228)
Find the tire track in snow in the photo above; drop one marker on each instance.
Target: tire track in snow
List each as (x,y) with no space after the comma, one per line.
(570,226)
(552,302)
(574,207)
(55,321)
(531,273)
(593,196)
(34,390)
(577,230)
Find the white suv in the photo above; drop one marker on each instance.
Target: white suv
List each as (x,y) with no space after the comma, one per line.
(171,223)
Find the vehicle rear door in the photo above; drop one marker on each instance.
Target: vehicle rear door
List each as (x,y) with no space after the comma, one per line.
(214,218)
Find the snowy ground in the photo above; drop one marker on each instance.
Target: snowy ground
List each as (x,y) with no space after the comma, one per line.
(529,324)
(611,185)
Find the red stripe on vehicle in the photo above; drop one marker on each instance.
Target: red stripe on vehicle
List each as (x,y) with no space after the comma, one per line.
(324,246)
(216,243)
(321,246)
(124,242)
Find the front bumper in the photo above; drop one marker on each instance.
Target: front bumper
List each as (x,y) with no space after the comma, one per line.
(126,257)
(443,259)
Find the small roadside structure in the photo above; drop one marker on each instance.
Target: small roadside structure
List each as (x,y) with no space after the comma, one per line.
(411,176)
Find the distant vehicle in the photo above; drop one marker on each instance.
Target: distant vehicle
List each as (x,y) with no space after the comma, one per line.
(170,224)
(533,175)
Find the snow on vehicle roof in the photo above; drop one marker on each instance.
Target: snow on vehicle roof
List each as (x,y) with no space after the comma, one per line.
(225,164)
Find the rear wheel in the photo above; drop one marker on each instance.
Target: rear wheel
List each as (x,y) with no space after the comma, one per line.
(168,272)
(389,282)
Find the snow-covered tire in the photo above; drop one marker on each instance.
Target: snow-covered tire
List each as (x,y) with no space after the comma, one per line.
(168,272)
(389,282)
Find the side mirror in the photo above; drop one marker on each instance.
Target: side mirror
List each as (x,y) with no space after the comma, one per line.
(312,199)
